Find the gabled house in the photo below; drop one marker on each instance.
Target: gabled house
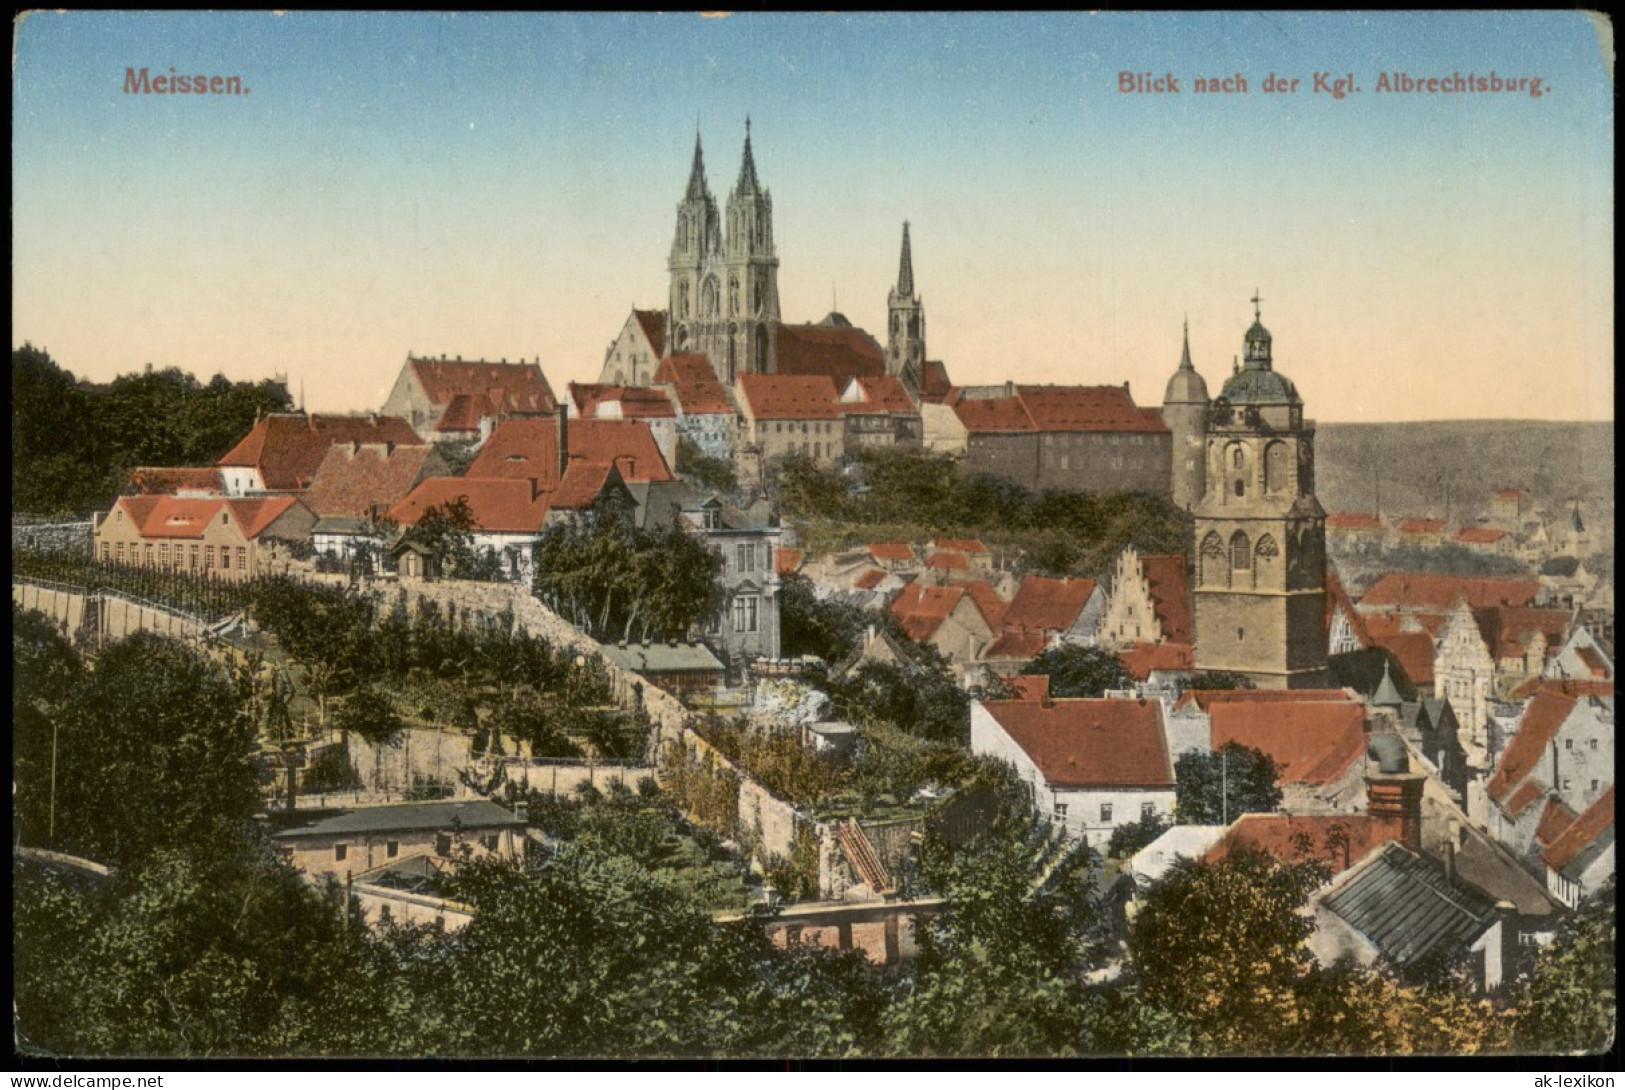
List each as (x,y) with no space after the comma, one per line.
(748,626)
(282,451)
(356,485)
(1355,530)
(508,516)
(1412,592)
(1486,540)
(1069,610)
(705,415)
(1424,533)
(530,448)
(1318,745)
(949,618)
(1580,858)
(187,482)
(224,537)
(1580,657)
(876,411)
(650,405)
(1345,625)
(454,400)
(1091,766)
(1149,601)
(789,414)
(632,357)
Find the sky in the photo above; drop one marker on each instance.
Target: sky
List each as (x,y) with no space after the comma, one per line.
(505,186)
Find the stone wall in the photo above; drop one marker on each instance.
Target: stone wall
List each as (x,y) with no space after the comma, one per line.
(115,617)
(52,536)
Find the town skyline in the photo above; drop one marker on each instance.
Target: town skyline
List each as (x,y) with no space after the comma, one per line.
(395,184)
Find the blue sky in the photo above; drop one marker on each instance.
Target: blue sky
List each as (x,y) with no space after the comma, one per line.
(505,186)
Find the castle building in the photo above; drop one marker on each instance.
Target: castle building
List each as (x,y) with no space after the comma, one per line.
(1184,410)
(1260,596)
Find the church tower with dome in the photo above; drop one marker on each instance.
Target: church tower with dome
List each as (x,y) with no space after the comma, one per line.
(1260,534)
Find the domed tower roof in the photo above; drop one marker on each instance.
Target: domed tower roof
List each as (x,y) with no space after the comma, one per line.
(1186,387)
(1257,382)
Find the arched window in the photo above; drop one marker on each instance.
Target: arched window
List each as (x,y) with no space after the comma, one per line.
(733,295)
(709,301)
(1213,569)
(1241,487)
(1237,457)
(1266,548)
(1275,467)
(682,299)
(1241,552)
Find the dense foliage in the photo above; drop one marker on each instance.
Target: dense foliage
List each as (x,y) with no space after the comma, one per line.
(914,495)
(157,418)
(1569,1002)
(824,628)
(710,473)
(1218,787)
(1074,670)
(618,582)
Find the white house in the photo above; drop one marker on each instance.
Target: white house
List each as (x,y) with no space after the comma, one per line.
(1092,766)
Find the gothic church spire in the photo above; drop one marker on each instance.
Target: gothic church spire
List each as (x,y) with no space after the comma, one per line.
(905,268)
(747,167)
(697,189)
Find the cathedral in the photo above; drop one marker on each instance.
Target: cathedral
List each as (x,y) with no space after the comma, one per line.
(723,302)
(1260,534)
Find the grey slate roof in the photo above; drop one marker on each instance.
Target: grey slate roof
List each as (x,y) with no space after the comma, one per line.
(663,658)
(405,817)
(1403,903)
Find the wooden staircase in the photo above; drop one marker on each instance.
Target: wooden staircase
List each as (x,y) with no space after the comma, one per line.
(861,854)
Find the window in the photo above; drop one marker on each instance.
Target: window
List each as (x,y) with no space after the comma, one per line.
(1241,552)
(1060,811)
(163,556)
(340,851)
(242,557)
(745,558)
(192,555)
(1148,810)
(1105,811)
(1241,487)
(745,613)
(442,843)
(1593,787)
(1592,744)
(225,558)
(1568,743)
(1567,783)
(490,840)
(120,552)
(392,848)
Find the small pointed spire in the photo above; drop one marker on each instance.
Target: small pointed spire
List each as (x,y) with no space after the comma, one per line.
(905,267)
(697,189)
(1387,694)
(747,166)
(1258,315)
(1185,356)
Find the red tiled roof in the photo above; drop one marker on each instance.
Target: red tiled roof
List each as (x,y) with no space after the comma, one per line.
(987,600)
(965,545)
(1542,717)
(1089,743)
(787,560)
(698,391)
(1284,836)
(1523,796)
(464,413)
(934,384)
(582,484)
(1565,686)
(168,480)
(947,561)
(1414,590)
(1598,817)
(1478,535)
(1593,660)
(1555,818)
(891,550)
(1087,408)
(834,352)
(653,324)
(1337,596)
(1170,595)
(789,397)
(869,580)
(1142,658)
(1031,686)
(1422,526)
(162,516)
(354,479)
(1352,520)
(1205,699)
(1507,630)
(498,505)
(1414,651)
(880,394)
(287,448)
(1045,604)
(1312,742)
(921,610)
(634,402)
(1510,494)
(527,447)
(506,387)
(1018,644)
(996,414)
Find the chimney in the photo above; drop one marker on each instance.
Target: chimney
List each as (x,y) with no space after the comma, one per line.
(564,440)
(1394,802)
(1450,860)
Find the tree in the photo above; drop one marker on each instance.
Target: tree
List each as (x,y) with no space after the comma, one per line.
(999,967)
(1569,1001)
(1220,946)
(155,749)
(1128,839)
(829,630)
(710,473)
(1216,788)
(45,670)
(919,697)
(1219,680)
(1080,671)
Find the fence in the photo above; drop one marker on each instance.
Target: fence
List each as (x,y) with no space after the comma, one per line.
(104,615)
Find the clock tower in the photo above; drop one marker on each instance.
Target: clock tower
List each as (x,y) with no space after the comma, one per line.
(1260,534)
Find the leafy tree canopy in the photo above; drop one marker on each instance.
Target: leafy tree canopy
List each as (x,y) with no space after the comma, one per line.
(1216,788)
(1080,671)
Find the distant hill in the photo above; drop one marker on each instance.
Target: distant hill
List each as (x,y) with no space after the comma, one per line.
(1416,464)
